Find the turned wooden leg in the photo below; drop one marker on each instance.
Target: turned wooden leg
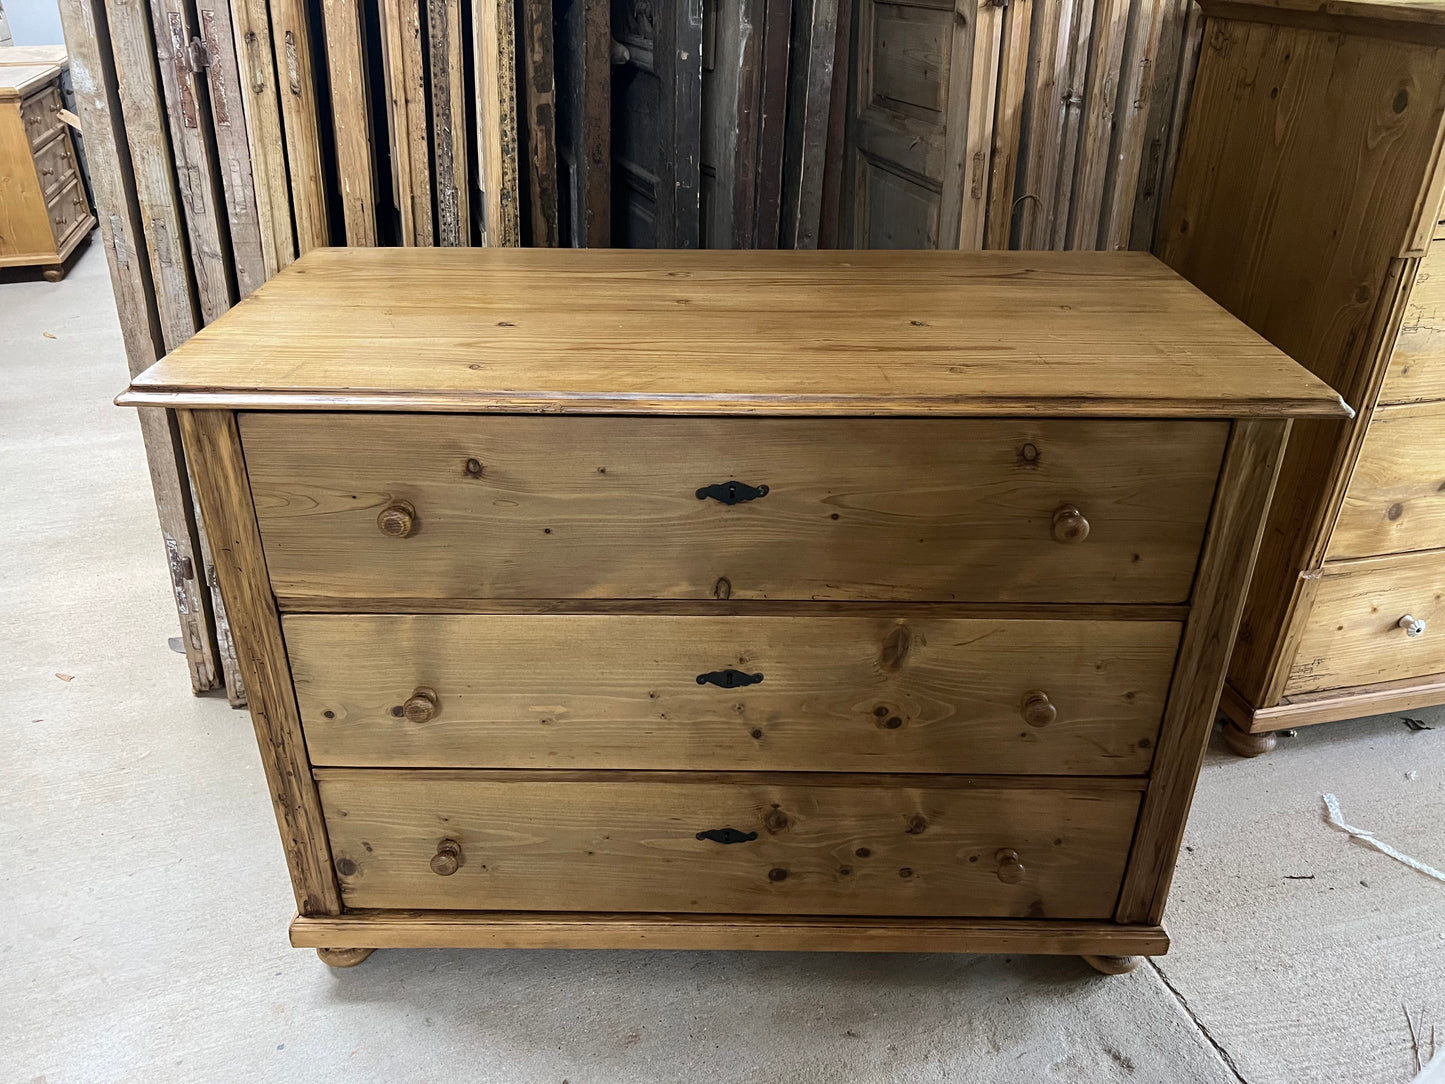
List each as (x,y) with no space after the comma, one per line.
(54,274)
(1113,965)
(343,957)
(1243,743)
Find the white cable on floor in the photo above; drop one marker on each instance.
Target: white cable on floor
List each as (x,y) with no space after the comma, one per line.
(1332,804)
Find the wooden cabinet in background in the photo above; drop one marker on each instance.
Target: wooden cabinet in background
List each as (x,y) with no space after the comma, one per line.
(44,212)
(1307,203)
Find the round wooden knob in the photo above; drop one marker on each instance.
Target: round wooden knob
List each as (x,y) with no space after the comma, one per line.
(1070,525)
(1010,869)
(448,858)
(421,706)
(1037,711)
(397,519)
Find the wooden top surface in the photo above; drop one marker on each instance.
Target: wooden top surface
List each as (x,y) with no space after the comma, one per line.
(15,56)
(1412,20)
(727,332)
(18,81)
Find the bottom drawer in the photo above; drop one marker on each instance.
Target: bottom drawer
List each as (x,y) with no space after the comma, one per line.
(1354,634)
(804,844)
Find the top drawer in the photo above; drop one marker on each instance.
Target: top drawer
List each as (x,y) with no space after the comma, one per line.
(453,506)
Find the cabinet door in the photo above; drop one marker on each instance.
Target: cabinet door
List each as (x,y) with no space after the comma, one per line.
(922,115)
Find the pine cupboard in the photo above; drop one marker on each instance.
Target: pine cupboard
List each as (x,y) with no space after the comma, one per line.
(771,600)
(1307,202)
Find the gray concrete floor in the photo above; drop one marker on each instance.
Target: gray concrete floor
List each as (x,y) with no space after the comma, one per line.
(145,901)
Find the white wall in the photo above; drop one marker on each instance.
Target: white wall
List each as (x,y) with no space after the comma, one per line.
(34,22)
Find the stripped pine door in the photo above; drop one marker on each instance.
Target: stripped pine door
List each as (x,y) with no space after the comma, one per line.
(921,123)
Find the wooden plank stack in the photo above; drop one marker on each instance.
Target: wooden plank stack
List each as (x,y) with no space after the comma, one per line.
(229,136)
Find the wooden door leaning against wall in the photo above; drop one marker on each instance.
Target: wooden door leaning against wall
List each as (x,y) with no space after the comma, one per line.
(921,98)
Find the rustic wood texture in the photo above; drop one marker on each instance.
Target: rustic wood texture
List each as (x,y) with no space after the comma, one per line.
(838,693)
(1009,121)
(1350,123)
(540,67)
(122,236)
(406,120)
(815,35)
(789,332)
(1251,465)
(1353,635)
(213,449)
(188,116)
(584,120)
(155,177)
(477,929)
(350,118)
(1396,496)
(448,120)
(938,510)
(1417,366)
(246,221)
(494,64)
(261,107)
(823,846)
(291,43)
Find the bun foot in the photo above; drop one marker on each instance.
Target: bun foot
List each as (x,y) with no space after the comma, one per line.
(54,274)
(1113,965)
(343,957)
(1244,744)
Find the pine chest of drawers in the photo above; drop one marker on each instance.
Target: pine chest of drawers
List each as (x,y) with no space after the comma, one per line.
(732,600)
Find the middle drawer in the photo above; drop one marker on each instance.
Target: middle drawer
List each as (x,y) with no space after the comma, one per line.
(813,693)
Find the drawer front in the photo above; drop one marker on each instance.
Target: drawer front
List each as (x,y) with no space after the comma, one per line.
(508,843)
(1354,635)
(55,165)
(67,209)
(1396,498)
(836,693)
(1417,366)
(41,113)
(369,506)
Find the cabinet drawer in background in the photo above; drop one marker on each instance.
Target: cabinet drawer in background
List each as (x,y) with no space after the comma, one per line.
(55,166)
(41,112)
(830,693)
(439,506)
(1396,497)
(512,841)
(1354,635)
(67,208)
(1417,366)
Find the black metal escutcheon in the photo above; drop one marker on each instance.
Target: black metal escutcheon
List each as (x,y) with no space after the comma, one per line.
(727,835)
(732,492)
(728,679)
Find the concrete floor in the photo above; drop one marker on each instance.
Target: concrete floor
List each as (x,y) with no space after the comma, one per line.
(145,901)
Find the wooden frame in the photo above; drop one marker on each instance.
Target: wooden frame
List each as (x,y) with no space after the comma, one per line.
(213,447)
(470,929)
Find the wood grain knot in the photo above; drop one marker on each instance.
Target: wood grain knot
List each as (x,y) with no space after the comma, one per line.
(896,646)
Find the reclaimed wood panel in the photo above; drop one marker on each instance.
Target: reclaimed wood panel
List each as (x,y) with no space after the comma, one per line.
(346,64)
(261,106)
(291,44)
